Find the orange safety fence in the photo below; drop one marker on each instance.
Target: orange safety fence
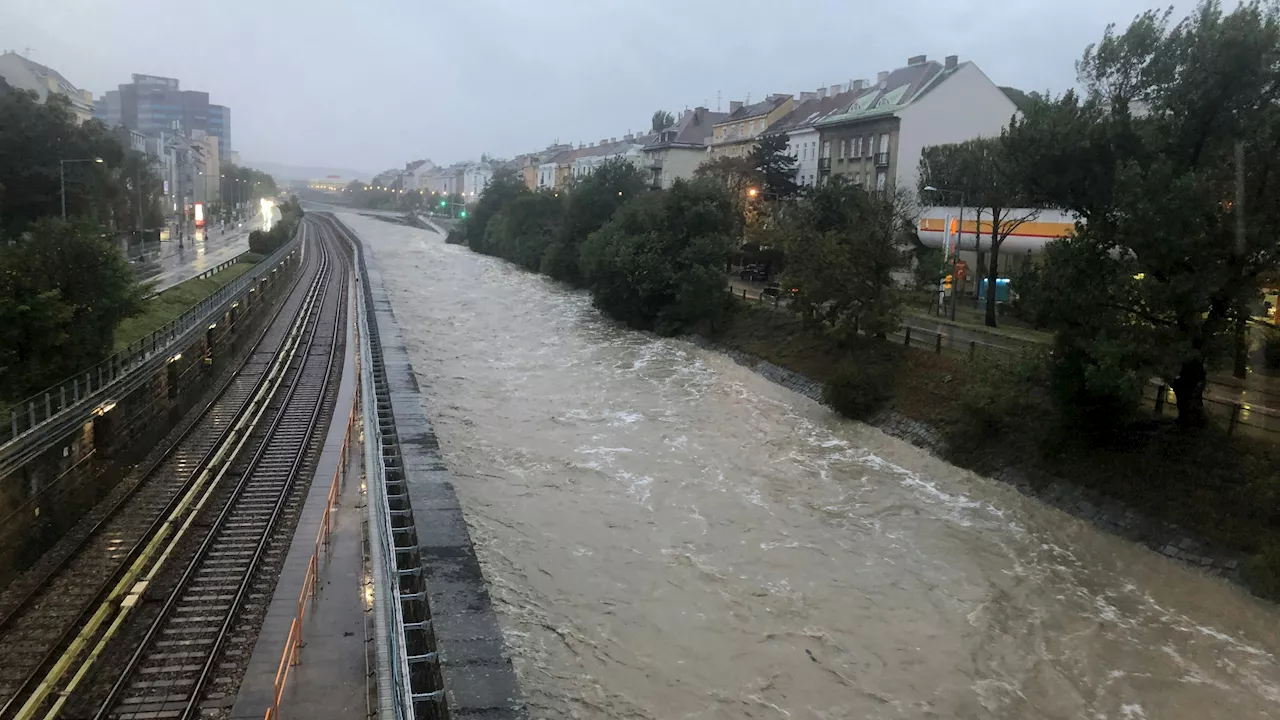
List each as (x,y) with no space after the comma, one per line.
(294,642)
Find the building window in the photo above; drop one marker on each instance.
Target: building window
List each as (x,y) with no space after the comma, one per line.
(871,139)
(857,148)
(881,179)
(884,143)
(826,150)
(842,144)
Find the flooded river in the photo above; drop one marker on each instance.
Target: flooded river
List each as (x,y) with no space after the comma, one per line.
(668,535)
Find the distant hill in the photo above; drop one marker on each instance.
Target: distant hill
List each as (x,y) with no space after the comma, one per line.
(284,173)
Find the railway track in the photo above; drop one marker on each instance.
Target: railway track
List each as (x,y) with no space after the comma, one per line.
(57,617)
(178,658)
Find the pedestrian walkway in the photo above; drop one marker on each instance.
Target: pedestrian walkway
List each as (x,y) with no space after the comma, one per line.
(327,675)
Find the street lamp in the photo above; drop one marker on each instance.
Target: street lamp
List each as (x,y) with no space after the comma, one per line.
(62,174)
(752,192)
(955,282)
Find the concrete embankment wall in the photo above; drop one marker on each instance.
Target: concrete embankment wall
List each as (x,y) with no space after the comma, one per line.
(478,679)
(51,491)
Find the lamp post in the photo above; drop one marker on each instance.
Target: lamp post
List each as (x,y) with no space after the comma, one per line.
(62,174)
(955,281)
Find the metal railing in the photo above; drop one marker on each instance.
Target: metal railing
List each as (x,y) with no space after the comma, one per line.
(294,642)
(207,273)
(393,555)
(94,384)
(1239,416)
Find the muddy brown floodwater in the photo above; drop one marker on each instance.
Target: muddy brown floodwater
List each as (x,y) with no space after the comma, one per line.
(668,535)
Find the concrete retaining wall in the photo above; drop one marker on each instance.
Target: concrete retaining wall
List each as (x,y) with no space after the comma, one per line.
(50,492)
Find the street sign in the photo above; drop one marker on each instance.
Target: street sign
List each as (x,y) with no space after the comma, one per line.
(962,270)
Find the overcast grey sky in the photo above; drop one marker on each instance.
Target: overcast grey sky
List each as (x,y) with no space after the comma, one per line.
(370,84)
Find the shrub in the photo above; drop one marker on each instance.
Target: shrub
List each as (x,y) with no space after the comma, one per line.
(862,385)
(456,236)
(1262,572)
(997,398)
(1271,350)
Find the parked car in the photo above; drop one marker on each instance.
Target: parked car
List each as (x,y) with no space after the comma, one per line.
(753,273)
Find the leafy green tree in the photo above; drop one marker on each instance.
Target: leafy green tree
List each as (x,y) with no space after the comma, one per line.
(1158,278)
(775,167)
(738,176)
(843,245)
(986,173)
(591,202)
(662,120)
(34,137)
(63,289)
(658,264)
(504,187)
(522,230)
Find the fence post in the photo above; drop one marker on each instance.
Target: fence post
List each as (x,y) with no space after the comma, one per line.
(973,350)
(1235,419)
(13,422)
(48,407)
(906,339)
(1160,393)
(937,344)
(31,413)
(744,293)
(62,397)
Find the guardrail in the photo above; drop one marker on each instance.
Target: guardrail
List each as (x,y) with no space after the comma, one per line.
(1239,416)
(90,385)
(293,643)
(409,684)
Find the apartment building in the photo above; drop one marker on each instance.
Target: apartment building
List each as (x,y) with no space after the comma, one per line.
(675,153)
(876,140)
(736,135)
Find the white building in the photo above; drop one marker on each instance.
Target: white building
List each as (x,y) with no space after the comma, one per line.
(475,178)
(876,139)
(24,74)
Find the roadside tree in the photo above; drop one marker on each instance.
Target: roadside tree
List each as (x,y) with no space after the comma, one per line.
(1159,277)
(843,245)
(984,171)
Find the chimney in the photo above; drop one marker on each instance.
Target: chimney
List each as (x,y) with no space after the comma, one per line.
(857,85)
(806,96)
(628,136)
(881,77)
(952,61)
(735,105)
(821,93)
(835,90)
(613,140)
(916,60)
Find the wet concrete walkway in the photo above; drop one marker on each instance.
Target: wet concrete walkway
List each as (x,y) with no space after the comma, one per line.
(329,680)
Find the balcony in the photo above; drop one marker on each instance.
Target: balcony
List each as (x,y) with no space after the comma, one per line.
(882,159)
(824,164)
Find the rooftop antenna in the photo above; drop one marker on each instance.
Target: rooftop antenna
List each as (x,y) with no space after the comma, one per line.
(26,52)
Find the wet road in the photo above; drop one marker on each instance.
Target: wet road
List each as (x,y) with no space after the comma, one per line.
(668,535)
(165,264)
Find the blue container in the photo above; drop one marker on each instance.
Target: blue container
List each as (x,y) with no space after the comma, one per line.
(1002,289)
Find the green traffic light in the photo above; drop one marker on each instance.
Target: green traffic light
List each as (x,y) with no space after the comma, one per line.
(464,213)
(442,203)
